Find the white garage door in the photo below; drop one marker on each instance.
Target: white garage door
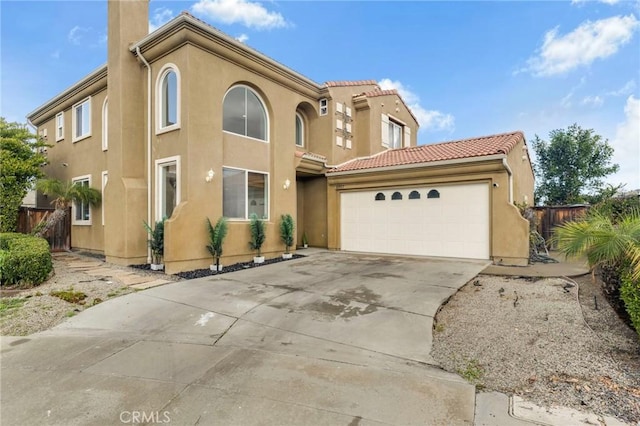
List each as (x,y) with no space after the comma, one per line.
(448,221)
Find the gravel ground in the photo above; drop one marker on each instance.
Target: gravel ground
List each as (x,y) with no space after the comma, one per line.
(534,339)
(37,310)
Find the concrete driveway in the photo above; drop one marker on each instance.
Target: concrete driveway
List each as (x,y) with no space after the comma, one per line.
(333,338)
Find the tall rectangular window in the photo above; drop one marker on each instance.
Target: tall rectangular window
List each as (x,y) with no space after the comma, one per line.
(81,210)
(395,135)
(168,186)
(59,126)
(105,180)
(81,118)
(245,192)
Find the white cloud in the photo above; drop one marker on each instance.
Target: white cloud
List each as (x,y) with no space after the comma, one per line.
(242,38)
(245,12)
(428,119)
(159,17)
(589,41)
(594,101)
(625,90)
(627,146)
(77,33)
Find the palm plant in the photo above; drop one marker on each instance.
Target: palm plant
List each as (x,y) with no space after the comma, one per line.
(286,230)
(257,228)
(64,193)
(217,234)
(603,241)
(156,240)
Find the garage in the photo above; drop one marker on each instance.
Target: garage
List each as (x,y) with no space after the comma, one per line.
(446,220)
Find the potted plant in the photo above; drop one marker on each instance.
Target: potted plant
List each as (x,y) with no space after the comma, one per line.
(257,228)
(286,234)
(156,244)
(305,240)
(217,234)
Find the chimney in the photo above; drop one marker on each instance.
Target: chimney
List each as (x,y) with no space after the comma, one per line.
(125,197)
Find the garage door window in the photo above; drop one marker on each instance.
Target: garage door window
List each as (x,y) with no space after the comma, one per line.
(433,194)
(414,195)
(380,196)
(396,196)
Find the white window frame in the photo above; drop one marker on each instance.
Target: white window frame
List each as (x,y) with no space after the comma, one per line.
(166,69)
(266,113)
(105,124)
(394,124)
(323,105)
(75,221)
(87,134)
(246,193)
(163,162)
(301,118)
(59,126)
(105,180)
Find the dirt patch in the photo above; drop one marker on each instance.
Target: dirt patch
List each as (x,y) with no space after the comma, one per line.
(536,340)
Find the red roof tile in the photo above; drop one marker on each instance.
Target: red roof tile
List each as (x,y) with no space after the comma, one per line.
(374,93)
(350,83)
(466,148)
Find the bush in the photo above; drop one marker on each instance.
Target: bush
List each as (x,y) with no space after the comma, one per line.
(617,208)
(630,295)
(24,259)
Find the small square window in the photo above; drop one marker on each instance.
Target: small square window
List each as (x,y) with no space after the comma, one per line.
(324,107)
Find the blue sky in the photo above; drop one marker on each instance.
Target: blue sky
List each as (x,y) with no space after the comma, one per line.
(465,68)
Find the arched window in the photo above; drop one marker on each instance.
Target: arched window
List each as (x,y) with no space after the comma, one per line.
(433,194)
(380,196)
(105,124)
(168,98)
(299,130)
(414,195)
(396,196)
(244,113)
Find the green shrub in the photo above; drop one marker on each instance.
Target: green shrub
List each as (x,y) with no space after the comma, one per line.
(630,295)
(24,259)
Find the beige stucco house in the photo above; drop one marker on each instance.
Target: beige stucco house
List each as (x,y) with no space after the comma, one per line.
(189,123)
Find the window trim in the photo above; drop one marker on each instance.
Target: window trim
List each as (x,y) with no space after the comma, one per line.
(60,127)
(75,221)
(302,129)
(104,177)
(105,124)
(264,106)
(162,162)
(75,138)
(246,186)
(393,123)
(166,69)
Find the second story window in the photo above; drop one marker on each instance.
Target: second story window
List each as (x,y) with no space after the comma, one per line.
(244,114)
(81,119)
(168,106)
(299,130)
(59,126)
(393,133)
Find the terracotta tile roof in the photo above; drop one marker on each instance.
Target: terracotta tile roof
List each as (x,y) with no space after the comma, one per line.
(311,156)
(374,93)
(350,83)
(465,148)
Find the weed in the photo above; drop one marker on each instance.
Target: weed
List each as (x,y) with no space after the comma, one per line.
(70,314)
(439,328)
(70,296)
(472,371)
(11,303)
(96,301)
(38,294)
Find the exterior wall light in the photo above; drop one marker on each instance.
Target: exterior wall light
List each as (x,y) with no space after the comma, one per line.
(210,175)
(287,184)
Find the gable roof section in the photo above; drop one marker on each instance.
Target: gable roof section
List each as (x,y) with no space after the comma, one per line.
(455,150)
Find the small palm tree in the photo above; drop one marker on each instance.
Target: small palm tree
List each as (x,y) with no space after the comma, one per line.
(603,241)
(257,228)
(217,234)
(286,230)
(64,193)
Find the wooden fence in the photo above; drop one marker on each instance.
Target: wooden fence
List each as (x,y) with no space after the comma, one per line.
(59,237)
(548,217)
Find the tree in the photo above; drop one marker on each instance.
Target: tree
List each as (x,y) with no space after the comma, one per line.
(64,194)
(21,158)
(217,235)
(572,165)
